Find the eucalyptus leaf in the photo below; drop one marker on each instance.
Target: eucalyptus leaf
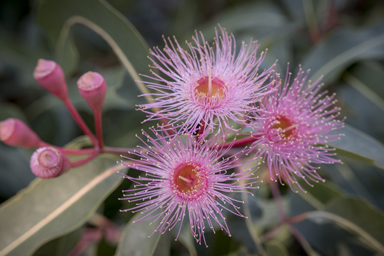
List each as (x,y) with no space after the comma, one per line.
(15,173)
(139,239)
(372,73)
(361,214)
(320,194)
(164,246)
(359,145)
(343,48)
(358,216)
(275,248)
(185,238)
(366,116)
(60,246)
(56,17)
(247,16)
(324,235)
(55,206)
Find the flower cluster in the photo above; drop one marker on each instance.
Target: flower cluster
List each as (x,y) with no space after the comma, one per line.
(192,164)
(206,86)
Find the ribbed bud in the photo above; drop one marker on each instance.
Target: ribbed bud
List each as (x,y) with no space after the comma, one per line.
(93,88)
(50,76)
(48,162)
(15,132)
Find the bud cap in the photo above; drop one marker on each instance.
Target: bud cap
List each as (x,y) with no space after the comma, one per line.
(93,89)
(50,76)
(48,162)
(15,132)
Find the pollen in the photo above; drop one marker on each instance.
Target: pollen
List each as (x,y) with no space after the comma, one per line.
(210,90)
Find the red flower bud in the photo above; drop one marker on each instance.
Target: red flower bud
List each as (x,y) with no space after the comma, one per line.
(48,162)
(15,132)
(50,76)
(93,88)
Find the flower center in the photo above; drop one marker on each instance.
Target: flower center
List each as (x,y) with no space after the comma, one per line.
(189,181)
(210,89)
(286,126)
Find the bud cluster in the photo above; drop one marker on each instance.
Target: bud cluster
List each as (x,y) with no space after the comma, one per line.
(49,161)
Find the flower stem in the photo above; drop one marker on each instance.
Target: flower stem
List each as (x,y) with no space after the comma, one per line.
(113,150)
(240,142)
(283,218)
(276,196)
(79,120)
(99,127)
(69,151)
(85,160)
(271,232)
(248,220)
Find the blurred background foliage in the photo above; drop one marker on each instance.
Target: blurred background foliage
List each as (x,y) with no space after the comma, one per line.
(340,39)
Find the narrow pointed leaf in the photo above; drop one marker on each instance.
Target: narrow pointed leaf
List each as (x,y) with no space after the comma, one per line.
(137,238)
(360,146)
(50,208)
(342,49)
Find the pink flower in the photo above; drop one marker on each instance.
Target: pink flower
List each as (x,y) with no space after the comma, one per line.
(185,179)
(293,129)
(206,83)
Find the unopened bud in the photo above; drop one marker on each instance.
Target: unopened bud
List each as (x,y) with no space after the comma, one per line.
(50,76)
(93,88)
(48,162)
(15,132)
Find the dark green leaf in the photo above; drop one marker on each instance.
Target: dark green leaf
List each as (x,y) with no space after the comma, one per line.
(248,16)
(275,248)
(357,216)
(164,246)
(137,239)
(320,194)
(359,145)
(55,207)
(60,246)
(361,214)
(343,48)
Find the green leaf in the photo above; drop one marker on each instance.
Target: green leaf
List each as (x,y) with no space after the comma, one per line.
(275,248)
(21,55)
(56,17)
(363,84)
(186,239)
(320,194)
(372,73)
(343,48)
(60,246)
(164,246)
(360,146)
(137,238)
(358,216)
(55,206)
(247,16)
(363,87)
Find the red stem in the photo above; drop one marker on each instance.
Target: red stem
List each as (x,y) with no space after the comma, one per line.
(276,195)
(283,218)
(79,120)
(85,160)
(99,127)
(117,150)
(240,142)
(69,151)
